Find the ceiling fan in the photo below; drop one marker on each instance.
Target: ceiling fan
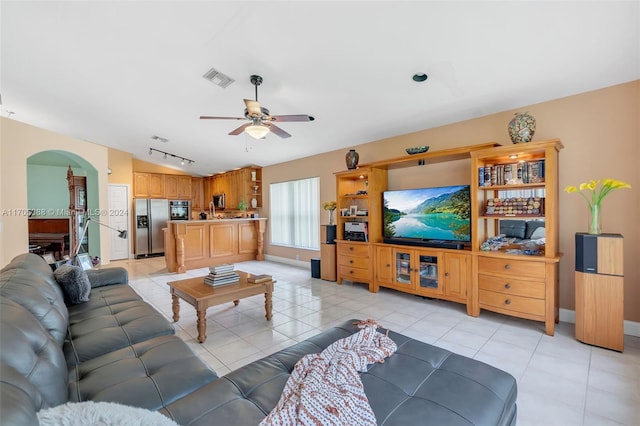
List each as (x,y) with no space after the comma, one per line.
(260,121)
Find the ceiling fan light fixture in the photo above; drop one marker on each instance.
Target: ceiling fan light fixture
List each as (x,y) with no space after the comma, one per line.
(257,131)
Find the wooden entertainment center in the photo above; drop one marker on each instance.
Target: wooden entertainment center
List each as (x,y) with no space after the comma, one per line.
(521,285)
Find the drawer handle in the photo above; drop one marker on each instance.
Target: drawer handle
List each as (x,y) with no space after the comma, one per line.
(507,286)
(507,266)
(507,302)
(351,261)
(351,248)
(388,265)
(446,274)
(351,272)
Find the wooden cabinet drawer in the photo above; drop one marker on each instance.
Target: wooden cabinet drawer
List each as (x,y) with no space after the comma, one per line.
(527,305)
(517,268)
(509,285)
(354,274)
(354,262)
(359,250)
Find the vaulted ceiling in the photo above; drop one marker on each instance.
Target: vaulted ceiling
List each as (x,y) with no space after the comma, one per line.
(118,73)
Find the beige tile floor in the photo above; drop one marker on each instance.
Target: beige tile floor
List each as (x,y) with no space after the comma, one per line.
(560,380)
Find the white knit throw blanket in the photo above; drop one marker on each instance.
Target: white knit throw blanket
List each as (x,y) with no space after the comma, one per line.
(325,388)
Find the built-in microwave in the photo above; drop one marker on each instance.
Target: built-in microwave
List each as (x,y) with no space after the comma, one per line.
(179,210)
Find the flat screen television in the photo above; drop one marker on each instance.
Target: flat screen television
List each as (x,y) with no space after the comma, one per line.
(435,217)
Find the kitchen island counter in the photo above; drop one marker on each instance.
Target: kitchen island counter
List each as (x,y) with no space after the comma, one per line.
(192,244)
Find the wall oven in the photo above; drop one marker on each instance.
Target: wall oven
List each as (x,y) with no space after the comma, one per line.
(179,210)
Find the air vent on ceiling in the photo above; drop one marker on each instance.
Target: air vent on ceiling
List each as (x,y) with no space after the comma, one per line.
(217,78)
(159,139)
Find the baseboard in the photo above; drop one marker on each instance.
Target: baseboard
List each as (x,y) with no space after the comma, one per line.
(286,260)
(631,328)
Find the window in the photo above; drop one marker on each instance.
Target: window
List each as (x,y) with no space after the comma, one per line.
(295,213)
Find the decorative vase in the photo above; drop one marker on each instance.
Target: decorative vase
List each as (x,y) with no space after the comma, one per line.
(352,158)
(522,127)
(254,203)
(331,217)
(253,175)
(595,225)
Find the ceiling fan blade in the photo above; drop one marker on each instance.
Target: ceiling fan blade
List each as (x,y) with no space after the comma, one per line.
(277,130)
(206,117)
(298,117)
(239,129)
(253,108)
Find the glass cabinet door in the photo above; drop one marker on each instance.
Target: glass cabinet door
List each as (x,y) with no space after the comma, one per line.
(428,271)
(403,268)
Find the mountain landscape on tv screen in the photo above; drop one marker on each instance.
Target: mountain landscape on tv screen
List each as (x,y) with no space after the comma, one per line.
(428,214)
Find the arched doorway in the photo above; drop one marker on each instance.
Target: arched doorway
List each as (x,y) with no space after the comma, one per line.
(48,191)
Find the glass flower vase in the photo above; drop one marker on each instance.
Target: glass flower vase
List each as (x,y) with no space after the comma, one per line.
(330,217)
(595,225)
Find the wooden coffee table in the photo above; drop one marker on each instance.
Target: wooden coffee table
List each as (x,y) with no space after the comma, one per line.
(200,295)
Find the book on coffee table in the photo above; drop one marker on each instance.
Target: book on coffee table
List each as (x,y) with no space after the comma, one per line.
(259,278)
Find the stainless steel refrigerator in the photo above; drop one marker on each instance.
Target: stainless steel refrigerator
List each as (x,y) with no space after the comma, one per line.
(151,217)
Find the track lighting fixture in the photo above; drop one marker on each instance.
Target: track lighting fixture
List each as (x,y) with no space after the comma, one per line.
(168,154)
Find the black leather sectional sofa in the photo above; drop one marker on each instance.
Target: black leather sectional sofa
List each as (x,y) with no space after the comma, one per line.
(118,348)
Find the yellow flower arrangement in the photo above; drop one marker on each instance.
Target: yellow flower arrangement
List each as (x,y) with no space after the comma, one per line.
(330,206)
(594,199)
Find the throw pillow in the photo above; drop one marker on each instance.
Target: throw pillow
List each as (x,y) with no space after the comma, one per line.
(74,283)
(538,233)
(532,226)
(101,413)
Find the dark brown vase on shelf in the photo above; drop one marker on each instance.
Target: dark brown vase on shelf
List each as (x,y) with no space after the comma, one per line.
(352,158)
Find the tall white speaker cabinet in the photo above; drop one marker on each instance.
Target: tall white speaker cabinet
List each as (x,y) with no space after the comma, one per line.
(599,282)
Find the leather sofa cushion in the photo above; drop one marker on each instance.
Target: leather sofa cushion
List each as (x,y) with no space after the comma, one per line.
(513,228)
(150,374)
(20,399)
(30,289)
(107,276)
(419,383)
(114,317)
(37,265)
(31,351)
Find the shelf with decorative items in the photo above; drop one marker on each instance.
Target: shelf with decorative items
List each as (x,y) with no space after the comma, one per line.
(514,215)
(359,193)
(254,186)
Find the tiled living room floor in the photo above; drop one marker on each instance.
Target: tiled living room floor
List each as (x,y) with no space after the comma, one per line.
(560,380)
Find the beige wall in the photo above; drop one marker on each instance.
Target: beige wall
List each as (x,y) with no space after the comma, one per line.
(121,165)
(18,141)
(600,131)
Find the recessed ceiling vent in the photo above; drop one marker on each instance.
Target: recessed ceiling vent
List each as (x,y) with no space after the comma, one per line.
(159,139)
(217,78)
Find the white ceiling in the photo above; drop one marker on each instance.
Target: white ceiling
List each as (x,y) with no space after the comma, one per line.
(117,73)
